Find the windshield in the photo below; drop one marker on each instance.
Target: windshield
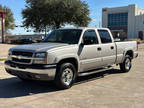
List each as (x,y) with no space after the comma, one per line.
(69,36)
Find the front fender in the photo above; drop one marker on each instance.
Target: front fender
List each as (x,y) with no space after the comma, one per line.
(67,56)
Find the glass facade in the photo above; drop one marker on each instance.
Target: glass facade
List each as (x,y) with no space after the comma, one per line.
(118,19)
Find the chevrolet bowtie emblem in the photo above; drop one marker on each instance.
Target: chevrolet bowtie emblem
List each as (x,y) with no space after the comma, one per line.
(19,57)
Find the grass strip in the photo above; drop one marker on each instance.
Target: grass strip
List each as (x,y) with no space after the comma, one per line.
(3,59)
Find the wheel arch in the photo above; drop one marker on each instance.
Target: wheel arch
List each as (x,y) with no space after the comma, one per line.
(130,53)
(72,60)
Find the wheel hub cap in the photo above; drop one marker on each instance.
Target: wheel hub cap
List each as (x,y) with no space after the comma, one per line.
(67,76)
(127,64)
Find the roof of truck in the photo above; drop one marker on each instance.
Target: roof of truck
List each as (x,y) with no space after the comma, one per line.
(82,28)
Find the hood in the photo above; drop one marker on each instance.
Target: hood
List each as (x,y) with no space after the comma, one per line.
(38,47)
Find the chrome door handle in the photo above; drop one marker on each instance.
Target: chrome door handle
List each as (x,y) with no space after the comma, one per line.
(112,47)
(99,49)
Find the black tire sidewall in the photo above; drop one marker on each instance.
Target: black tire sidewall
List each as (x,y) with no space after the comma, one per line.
(123,66)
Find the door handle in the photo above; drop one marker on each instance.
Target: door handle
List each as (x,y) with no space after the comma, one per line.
(99,49)
(112,47)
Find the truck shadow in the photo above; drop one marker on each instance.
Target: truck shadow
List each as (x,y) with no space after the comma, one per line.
(13,87)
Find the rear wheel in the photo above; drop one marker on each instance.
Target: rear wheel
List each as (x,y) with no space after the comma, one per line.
(65,76)
(126,65)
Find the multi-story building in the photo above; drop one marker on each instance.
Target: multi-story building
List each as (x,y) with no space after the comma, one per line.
(127,21)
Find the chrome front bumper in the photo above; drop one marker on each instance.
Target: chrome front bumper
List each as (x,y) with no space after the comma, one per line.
(43,72)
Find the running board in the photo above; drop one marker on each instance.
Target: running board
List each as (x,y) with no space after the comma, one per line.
(94,71)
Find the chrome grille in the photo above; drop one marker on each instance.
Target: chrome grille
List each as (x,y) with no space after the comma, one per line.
(21,60)
(22,53)
(21,57)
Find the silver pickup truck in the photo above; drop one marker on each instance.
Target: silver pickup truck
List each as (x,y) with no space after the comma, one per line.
(66,54)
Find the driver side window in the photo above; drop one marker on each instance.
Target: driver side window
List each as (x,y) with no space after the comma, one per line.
(90,37)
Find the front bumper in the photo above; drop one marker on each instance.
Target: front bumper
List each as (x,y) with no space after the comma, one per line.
(32,72)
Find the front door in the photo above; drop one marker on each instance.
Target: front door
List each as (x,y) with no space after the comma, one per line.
(90,52)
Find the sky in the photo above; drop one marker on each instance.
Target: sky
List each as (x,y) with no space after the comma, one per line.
(95,7)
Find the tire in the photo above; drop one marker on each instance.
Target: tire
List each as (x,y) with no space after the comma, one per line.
(65,76)
(126,65)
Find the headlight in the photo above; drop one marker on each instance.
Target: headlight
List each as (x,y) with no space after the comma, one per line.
(40,55)
(40,58)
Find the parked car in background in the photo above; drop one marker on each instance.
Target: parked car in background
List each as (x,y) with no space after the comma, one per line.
(26,41)
(66,54)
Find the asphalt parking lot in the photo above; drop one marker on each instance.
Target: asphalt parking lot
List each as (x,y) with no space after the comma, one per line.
(110,89)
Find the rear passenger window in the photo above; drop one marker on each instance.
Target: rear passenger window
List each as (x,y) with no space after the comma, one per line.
(105,36)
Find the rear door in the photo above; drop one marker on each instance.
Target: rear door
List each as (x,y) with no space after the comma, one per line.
(108,47)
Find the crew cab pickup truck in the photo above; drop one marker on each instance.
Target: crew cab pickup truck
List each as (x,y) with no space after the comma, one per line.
(66,54)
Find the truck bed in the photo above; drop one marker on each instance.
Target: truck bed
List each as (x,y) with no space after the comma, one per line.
(124,46)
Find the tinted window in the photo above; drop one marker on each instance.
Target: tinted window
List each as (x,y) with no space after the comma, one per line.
(91,36)
(105,36)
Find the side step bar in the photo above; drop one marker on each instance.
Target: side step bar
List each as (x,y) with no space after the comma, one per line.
(94,71)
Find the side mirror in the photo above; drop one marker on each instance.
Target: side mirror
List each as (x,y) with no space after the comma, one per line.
(117,40)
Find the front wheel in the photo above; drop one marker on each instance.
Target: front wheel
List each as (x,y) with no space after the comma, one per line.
(65,76)
(126,65)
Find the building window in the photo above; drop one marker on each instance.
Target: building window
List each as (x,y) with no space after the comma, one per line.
(118,19)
